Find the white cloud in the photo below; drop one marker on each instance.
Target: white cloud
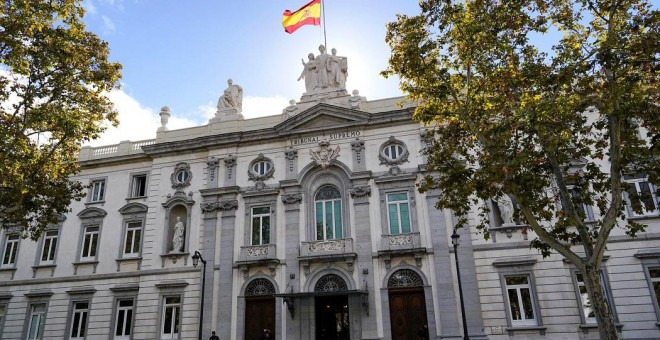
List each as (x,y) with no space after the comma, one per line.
(108,25)
(136,122)
(254,107)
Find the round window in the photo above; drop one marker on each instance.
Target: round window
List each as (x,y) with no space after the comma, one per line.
(182,176)
(262,167)
(393,151)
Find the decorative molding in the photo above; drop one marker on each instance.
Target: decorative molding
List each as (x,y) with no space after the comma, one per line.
(227,205)
(212,163)
(361,191)
(291,154)
(92,213)
(81,290)
(357,146)
(133,208)
(292,198)
(255,251)
(514,261)
(325,155)
(400,240)
(230,163)
(326,246)
(208,207)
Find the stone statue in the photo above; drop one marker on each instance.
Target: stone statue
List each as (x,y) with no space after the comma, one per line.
(309,73)
(322,62)
(324,73)
(179,232)
(338,70)
(232,98)
(505,205)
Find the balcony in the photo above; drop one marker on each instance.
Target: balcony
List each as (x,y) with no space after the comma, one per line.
(400,245)
(258,255)
(327,251)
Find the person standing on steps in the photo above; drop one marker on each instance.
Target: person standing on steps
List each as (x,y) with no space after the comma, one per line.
(213,336)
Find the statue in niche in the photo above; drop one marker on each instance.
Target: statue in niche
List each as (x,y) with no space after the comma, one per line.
(309,73)
(505,205)
(232,98)
(179,232)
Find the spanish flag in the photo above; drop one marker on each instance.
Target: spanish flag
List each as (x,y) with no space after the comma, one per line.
(309,14)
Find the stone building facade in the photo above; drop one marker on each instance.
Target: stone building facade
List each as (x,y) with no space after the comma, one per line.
(311,226)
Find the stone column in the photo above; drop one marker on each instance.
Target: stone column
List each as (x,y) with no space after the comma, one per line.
(227,208)
(448,304)
(469,284)
(210,220)
(360,193)
(292,199)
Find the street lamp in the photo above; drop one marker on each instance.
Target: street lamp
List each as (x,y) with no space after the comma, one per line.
(196,258)
(455,240)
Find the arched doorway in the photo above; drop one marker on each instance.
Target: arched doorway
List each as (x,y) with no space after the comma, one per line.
(407,305)
(332,320)
(259,308)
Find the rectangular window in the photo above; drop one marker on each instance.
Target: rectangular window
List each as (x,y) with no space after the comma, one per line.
(582,208)
(10,251)
(171,317)
(97,191)
(398,211)
(124,319)
(37,321)
(521,301)
(640,196)
(49,247)
(585,304)
(328,220)
(132,239)
(90,243)
(79,317)
(260,225)
(139,185)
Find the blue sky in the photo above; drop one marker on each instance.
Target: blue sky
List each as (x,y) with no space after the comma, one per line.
(181,53)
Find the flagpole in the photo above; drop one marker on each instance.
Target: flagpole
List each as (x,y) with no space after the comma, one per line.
(325,39)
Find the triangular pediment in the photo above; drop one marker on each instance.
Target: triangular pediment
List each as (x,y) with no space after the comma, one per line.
(322,116)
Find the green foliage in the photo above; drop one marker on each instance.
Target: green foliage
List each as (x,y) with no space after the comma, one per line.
(53,78)
(552,126)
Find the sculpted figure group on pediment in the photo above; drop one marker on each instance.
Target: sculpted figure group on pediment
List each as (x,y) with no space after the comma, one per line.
(324,71)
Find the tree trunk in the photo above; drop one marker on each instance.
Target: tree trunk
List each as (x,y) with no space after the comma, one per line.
(604,316)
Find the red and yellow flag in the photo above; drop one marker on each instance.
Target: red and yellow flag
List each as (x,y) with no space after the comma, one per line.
(309,14)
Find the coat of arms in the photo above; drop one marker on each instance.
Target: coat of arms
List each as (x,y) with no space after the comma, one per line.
(325,155)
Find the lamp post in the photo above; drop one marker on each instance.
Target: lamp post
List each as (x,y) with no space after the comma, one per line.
(455,240)
(196,258)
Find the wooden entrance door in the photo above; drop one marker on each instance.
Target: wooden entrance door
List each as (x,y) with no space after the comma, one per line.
(407,313)
(259,314)
(332,321)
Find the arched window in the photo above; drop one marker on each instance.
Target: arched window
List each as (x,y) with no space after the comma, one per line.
(327,203)
(330,283)
(405,278)
(260,287)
